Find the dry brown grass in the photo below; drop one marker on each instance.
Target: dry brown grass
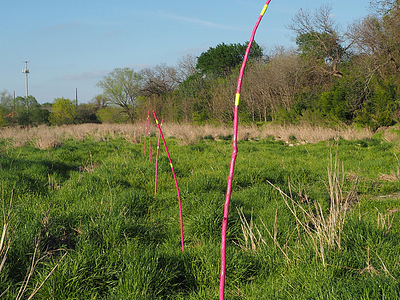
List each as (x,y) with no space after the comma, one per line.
(44,137)
(323,231)
(313,134)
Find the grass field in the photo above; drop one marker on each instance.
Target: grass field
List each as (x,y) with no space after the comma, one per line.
(307,220)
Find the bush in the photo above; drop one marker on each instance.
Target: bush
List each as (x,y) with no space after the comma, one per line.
(382,106)
(64,112)
(110,115)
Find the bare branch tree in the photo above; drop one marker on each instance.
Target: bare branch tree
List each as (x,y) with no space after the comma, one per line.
(320,39)
(186,66)
(378,35)
(271,87)
(159,80)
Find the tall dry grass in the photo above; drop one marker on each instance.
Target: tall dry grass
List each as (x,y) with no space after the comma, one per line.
(324,230)
(44,137)
(314,134)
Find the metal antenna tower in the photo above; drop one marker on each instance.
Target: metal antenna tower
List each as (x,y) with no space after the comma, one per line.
(26,71)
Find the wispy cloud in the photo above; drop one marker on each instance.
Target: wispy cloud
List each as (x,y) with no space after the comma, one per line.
(194,50)
(112,32)
(195,21)
(86,75)
(137,67)
(62,26)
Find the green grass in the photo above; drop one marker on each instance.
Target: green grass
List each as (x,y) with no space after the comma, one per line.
(95,201)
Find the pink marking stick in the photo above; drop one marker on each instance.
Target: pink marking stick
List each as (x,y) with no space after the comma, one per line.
(233,159)
(148,121)
(145,134)
(158,148)
(173,173)
(140,122)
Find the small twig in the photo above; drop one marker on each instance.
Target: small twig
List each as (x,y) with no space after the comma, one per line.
(276,242)
(47,277)
(6,221)
(3,261)
(3,293)
(384,267)
(28,276)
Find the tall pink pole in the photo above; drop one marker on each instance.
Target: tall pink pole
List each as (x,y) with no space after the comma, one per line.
(233,159)
(148,121)
(173,173)
(145,134)
(140,122)
(158,148)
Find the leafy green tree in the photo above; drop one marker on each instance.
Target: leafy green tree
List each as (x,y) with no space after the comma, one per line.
(7,107)
(64,112)
(333,104)
(6,100)
(99,101)
(382,107)
(122,88)
(86,113)
(110,115)
(27,111)
(223,59)
(38,115)
(192,100)
(344,99)
(2,123)
(321,46)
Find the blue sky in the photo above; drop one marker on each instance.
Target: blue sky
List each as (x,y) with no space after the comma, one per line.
(74,43)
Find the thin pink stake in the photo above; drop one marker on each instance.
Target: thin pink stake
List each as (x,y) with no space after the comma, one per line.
(145,133)
(173,173)
(158,148)
(140,122)
(149,137)
(233,159)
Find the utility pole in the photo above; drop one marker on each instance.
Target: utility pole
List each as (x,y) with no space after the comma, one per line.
(76,97)
(13,112)
(26,71)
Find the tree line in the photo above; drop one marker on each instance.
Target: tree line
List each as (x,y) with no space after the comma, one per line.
(332,76)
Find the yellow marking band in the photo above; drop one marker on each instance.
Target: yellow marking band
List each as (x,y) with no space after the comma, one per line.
(264,9)
(156,121)
(237,98)
(171,165)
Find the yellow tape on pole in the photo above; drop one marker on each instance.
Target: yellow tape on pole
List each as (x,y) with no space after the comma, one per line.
(237,98)
(264,9)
